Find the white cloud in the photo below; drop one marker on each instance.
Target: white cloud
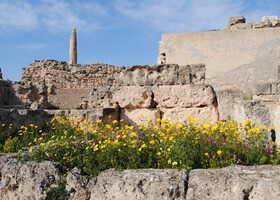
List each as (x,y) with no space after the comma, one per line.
(155,15)
(17,15)
(55,15)
(180,15)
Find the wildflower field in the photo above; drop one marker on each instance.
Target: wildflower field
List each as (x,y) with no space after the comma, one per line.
(93,147)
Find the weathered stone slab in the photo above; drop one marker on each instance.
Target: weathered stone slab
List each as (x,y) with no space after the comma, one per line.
(255,110)
(226,100)
(27,180)
(179,115)
(262,88)
(148,75)
(184,96)
(66,98)
(234,182)
(132,97)
(235,20)
(23,117)
(240,26)
(198,73)
(139,184)
(257,24)
(272,19)
(133,117)
(87,115)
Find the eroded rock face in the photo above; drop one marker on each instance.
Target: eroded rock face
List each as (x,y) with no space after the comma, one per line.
(235,182)
(21,181)
(139,184)
(29,180)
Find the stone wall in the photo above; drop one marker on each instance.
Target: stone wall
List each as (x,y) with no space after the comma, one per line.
(245,59)
(60,75)
(173,92)
(29,180)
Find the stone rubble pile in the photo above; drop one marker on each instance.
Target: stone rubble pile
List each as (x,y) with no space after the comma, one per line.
(237,23)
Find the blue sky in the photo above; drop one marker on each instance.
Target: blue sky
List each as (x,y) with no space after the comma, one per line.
(118,32)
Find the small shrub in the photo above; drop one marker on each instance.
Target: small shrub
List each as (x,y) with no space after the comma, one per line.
(248,96)
(57,193)
(12,145)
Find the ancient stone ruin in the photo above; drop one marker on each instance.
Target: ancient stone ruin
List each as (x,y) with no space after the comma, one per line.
(239,79)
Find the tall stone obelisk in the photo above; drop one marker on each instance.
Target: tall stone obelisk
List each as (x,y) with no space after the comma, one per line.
(73,48)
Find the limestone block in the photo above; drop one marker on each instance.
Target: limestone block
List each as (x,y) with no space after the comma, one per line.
(257,24)
(184,75)
(266,98)
(274,88)
(272,19)
(106,114)
(149,75)
(255,110)
(133,97)
(27,180)
(179,115)
(66,98)
(134,116)
(184,96)
(235,20)
(100,97)
(234,182)
(240,26)
(140,184)
(197,73)
(23,117)
(76,183)
(262,88)
(227,98)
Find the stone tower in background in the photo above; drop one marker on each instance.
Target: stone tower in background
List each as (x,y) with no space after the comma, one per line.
(73,48)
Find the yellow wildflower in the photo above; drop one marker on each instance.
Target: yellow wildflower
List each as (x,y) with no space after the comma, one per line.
(219,152)
(174,163)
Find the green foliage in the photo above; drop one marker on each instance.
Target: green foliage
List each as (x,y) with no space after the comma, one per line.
(5,133)
(248,96)
(93,147)
(12,145)
(57,193)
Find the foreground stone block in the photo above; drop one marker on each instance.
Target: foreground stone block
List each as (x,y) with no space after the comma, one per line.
(21,181)
(139,184)
(235,182)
